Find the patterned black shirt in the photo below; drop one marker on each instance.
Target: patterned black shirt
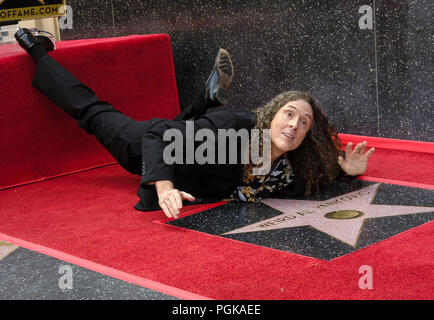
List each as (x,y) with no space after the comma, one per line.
(258,187)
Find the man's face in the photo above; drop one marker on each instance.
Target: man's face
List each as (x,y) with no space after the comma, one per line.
(290,126)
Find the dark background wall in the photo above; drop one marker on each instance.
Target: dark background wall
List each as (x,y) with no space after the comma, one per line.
(374,82)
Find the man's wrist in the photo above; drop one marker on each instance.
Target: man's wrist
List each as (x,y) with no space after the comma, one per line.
(164,185)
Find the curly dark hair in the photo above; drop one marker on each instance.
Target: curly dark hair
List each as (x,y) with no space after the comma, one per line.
(316,157)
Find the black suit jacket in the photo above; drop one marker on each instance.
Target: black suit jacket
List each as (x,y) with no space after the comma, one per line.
(207,182)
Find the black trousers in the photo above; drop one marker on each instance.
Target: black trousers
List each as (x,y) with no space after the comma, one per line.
(118,133)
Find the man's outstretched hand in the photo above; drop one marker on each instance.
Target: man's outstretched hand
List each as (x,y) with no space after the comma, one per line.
(356,161)
(170,199)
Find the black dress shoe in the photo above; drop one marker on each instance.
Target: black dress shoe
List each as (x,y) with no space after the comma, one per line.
(28,41)
(220,79)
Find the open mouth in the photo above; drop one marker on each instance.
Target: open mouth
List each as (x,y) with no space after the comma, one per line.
(288,136)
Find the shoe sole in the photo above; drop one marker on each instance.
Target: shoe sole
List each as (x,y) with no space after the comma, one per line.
(221,95)
(224,76)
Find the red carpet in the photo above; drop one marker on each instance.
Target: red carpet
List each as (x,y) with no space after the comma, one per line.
(399,161)
(33,127)
(87,217)
(103,228)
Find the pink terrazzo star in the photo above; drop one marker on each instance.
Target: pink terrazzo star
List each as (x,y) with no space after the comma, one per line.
(6,249)
(297,213)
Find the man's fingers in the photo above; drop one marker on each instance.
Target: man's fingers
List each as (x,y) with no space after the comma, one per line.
(165,210)
(359,147)
(363,147)
(178,200)
(349,148)
(369,153)
(168,207)
(187,196)
(172,203)
(173,206)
